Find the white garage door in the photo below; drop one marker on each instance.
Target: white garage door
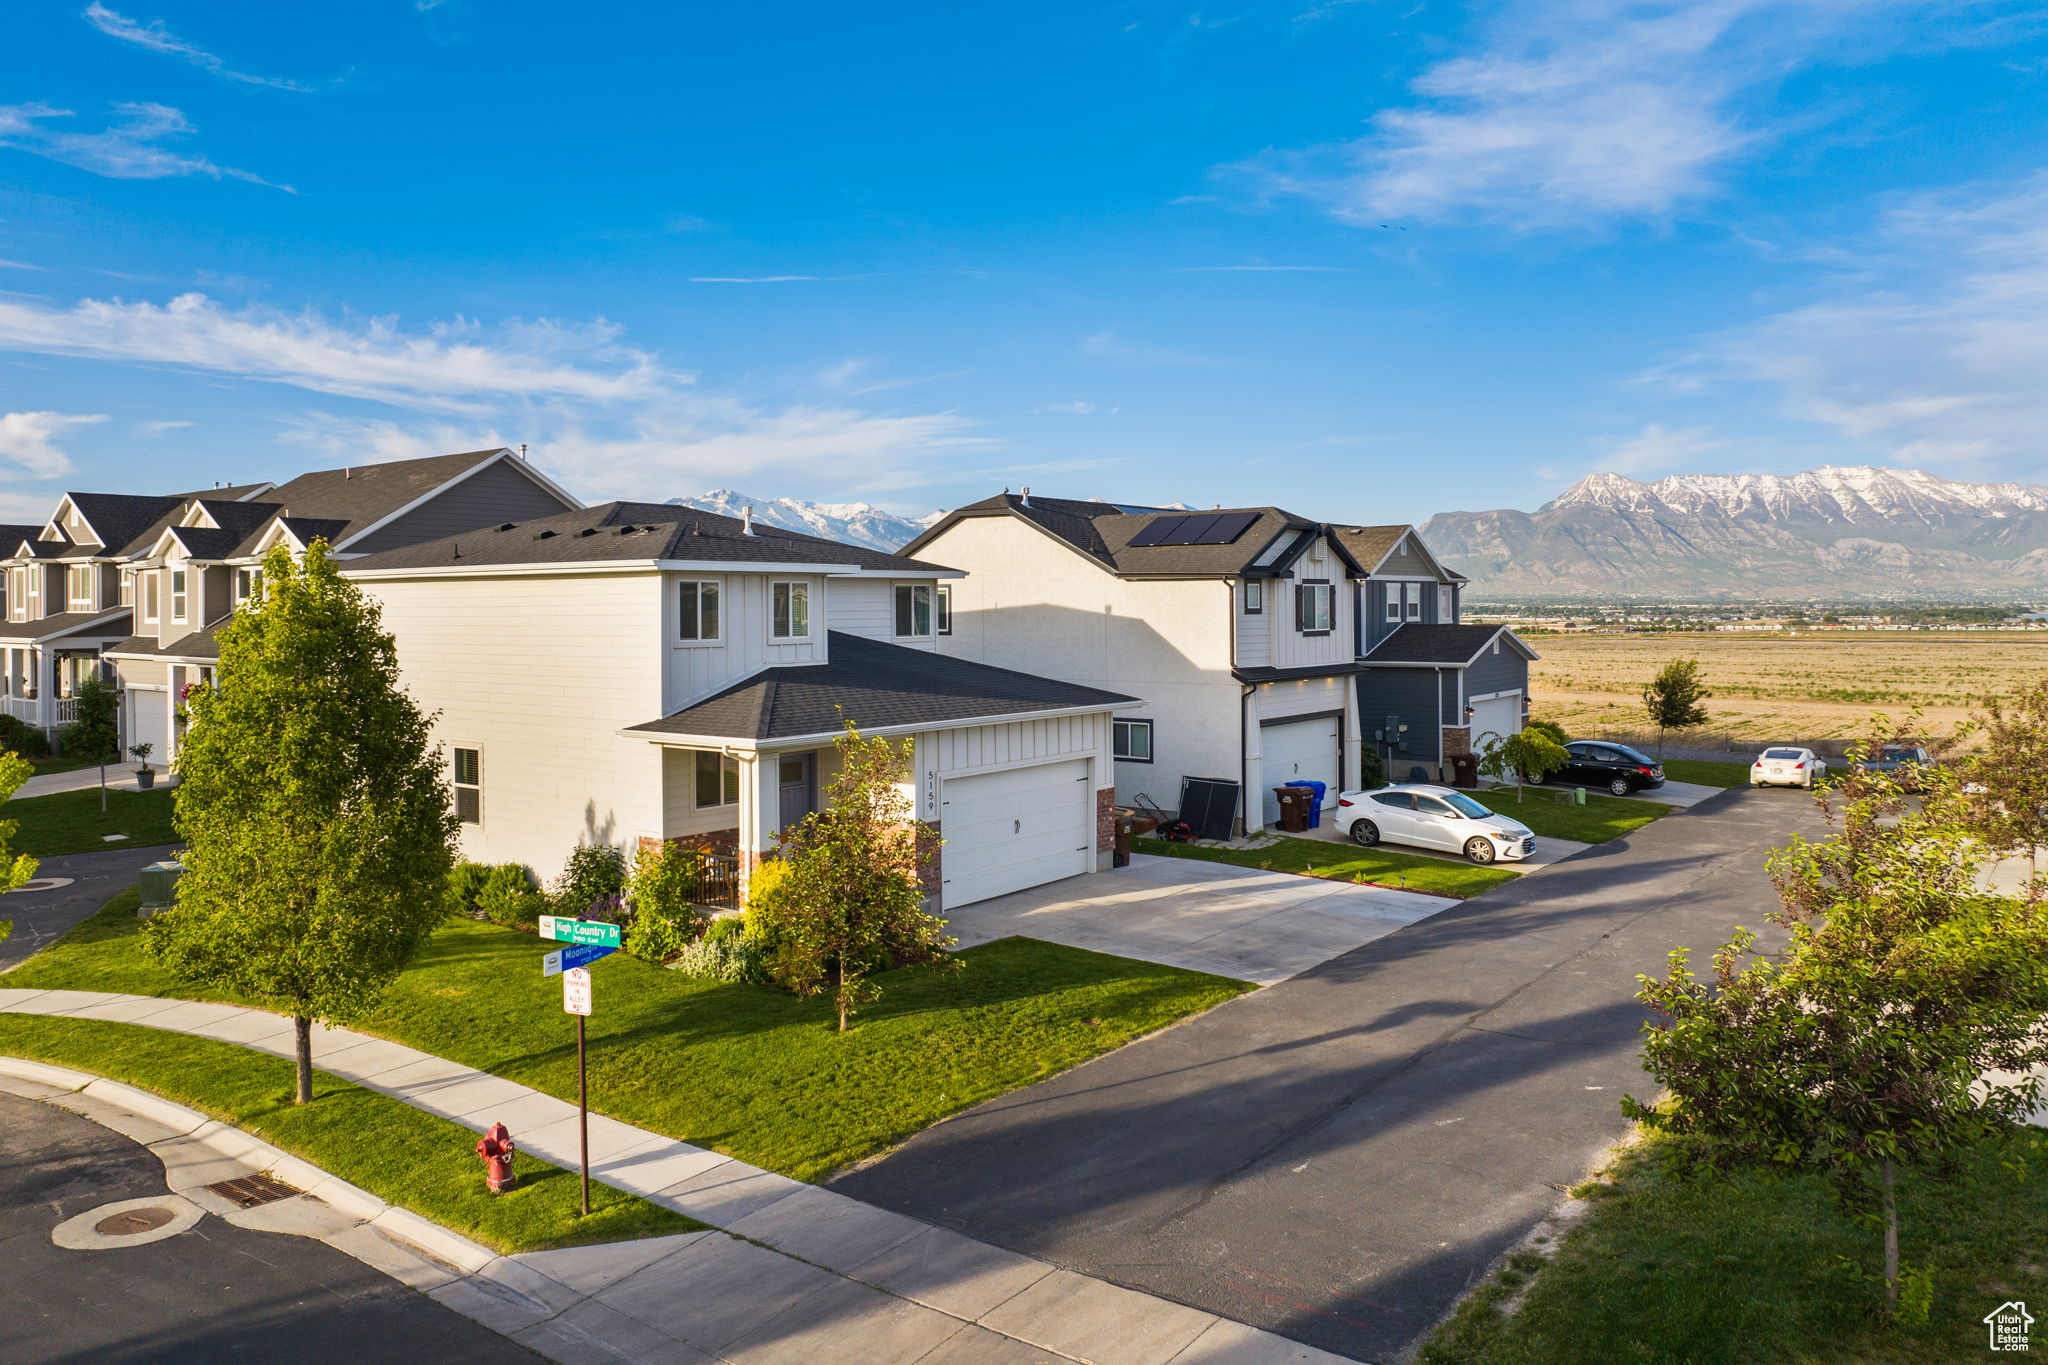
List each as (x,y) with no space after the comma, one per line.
(149,722)
(1300,750)
(1495,716)
(1017,828)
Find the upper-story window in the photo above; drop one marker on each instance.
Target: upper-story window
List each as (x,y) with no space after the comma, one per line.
(127,587)
(1254,596)
(1315,608)
(17,594)
(913,609)
(1411,601)
(1392,592)
(789,611)
(180,599)
(945,593)
(1446,604)
(152,590)
(78,587)
(699,610)
(248,582)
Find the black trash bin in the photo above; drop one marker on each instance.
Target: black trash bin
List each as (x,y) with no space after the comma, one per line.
(1120,838)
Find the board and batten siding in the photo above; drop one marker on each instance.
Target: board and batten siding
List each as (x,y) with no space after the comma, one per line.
(490,497)
(962,752)
(539,674)
(1500,667)
(1413,697)
(695,669)
(1255,628)
(867,606)
(1293,649)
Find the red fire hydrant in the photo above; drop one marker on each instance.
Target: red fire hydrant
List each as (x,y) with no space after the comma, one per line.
(495,1147)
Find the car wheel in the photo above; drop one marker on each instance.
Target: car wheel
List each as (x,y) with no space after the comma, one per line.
(1479,850)
(1365,832)
(1536,779)
(1620,786)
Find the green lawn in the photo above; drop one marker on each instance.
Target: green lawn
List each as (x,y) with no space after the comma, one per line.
(1346,863)
(71,822)
(400,1154)
(1750,1272)
(1600,819)
(71,763)
(749,1070)
(1706,773)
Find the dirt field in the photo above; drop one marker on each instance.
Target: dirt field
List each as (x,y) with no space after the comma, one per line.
(1773,689)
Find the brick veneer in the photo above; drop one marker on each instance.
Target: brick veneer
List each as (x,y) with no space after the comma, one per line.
(1105,819)
(1457,740)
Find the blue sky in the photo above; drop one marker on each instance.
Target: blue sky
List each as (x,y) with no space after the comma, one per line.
(1368,260)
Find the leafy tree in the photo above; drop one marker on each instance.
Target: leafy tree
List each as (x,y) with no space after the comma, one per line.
(1673,698)
(15,868)
(594,872)
(95,729)
(848,902)
(2007,779)
(1860,1053)
(1550,728)
(315,808)
(1528,755)
(666,883)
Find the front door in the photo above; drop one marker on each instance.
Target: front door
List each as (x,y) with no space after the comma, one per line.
(795,772)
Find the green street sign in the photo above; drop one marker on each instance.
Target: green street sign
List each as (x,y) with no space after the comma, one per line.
(591,931)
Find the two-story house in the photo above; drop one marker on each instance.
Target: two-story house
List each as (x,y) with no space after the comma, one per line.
(1267,647)
(199,559)
(644,671)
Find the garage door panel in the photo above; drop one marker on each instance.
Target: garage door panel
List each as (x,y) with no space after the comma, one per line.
(1301,750)
(1496,716)
(149,721)
(1008,830)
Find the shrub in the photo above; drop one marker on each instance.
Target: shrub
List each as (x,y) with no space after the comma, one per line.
(664,881)
(509,898)
(465,886)
(1371,771)
(726,952)
(18,736)
(593,873)
(657,938)
(1550,728)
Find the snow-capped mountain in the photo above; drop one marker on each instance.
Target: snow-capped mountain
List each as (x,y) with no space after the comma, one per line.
(1835,532)
(856,523)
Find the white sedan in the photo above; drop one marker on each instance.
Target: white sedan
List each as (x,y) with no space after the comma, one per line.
(1786,766)
(1432,817)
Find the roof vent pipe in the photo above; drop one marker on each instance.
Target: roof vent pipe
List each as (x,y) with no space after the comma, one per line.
(1026,499)
(747,522)
(348,472)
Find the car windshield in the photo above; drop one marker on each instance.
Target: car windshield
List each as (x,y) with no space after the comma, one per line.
(1631,755)
(1896,755)
(1784,753)
(1466,806)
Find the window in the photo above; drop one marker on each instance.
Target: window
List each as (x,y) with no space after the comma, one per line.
(1411,599)
(178,598)
(790,610)
(1392,593)
(127,587)
(699,614)
(913,609)
(1254,596)
(718,779)
(1446,606)
(469,786)
(1131,740)
(1396,800)
(17,594)
(945,609)
(1315,608)
(1429,805)
(79,588)
(152,587)
(247,583)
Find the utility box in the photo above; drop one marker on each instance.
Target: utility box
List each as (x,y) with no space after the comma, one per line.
(159,886)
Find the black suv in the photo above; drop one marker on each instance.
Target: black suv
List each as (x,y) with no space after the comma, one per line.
(1597,763)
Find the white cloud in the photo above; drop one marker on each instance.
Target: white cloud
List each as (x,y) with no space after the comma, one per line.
(128,148)
(157,38)
(1578,111)
(159,428)
(1107,345)
(1658,447)
(18,265)
(28,441)
(752,279)
(1080,407)
(1932,352)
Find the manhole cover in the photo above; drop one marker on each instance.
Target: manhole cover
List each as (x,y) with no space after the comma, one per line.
(133,1222)
(43,884)
(252,1190)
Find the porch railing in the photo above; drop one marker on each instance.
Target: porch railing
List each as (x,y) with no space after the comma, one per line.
(67,710)
(29,709)
(717,882)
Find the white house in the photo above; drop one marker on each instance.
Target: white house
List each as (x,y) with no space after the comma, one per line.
(644,671)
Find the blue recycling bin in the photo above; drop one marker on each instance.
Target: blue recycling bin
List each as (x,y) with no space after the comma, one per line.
(1315,802)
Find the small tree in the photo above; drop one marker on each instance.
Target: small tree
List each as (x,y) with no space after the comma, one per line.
(95,729)
(15,868)
(849,902)
(1529,755)
(2006,805)
(315,808)
(1860,1055)
(1673,698)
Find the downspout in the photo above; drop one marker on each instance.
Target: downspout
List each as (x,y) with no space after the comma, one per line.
(1235,587)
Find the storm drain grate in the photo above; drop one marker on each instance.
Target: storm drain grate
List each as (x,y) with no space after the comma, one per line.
(252,1190)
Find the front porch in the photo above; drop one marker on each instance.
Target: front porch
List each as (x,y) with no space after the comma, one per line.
(731,803)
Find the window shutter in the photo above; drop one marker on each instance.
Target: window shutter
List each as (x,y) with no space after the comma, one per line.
(1301,606)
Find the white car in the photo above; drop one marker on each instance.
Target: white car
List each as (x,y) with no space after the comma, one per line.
(1432,817)
(1785,766)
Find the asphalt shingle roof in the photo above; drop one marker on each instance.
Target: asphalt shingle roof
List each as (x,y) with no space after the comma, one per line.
(634,531)
(1105,532)
(875,685)
(1415,643)
(63,623)
(360,495)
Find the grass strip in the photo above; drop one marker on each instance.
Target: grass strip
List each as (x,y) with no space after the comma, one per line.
(1706,772)
(1760,1268)
(72,822)
(403,1155)
(1346,863)
(748,1070)
(1600,819)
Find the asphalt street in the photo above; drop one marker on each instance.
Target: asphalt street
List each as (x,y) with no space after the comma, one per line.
(1337,1158)
(211,1294)
(42,917)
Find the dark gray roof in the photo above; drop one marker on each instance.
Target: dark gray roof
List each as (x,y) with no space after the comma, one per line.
(11,537)
(358,496)
(207,542)
(63,623)
(1267,675)
(634,531)
(1104,532)
(121,517)
(307,530)
(199,644)
(1415,643)
(875,685)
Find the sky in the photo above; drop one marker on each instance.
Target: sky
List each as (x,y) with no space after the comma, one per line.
(1366,259)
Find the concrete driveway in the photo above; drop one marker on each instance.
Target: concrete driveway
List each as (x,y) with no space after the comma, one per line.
(1206,917)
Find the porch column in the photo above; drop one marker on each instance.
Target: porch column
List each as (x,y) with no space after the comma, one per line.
(760,807)
(44,661)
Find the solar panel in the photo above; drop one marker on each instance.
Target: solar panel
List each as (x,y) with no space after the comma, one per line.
(1230,526)
(1200,528)
(1155,531)
(1194,530)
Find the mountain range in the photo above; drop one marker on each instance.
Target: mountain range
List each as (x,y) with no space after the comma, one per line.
(856,523)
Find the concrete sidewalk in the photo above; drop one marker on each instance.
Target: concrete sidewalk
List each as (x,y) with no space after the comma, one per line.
(809,1277)
(120,778)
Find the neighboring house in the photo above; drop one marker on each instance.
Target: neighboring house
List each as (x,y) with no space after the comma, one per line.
(1267,647)
(640,672)
(199,559)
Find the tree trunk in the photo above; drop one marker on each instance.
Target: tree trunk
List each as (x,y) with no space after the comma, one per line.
(304,1028)
(1891,1240)
(839,995)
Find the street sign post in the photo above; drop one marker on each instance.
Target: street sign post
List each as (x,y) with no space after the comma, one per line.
(576,1001)
(565,930)
(574,956)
